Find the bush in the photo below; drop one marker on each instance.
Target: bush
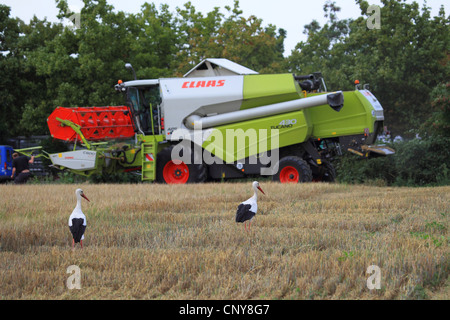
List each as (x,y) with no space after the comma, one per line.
(418,162)
(116,177)
(353,169)
(423,162)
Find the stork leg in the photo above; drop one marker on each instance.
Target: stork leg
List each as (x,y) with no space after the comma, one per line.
(81,243)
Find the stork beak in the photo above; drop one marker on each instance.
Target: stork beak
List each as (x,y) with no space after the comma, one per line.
(259,188)
(85,197)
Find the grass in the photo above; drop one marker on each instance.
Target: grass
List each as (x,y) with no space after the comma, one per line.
(150,241)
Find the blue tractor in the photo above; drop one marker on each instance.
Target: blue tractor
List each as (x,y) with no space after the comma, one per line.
(6,163)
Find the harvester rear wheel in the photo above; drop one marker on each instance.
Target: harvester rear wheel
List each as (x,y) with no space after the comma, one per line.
(293,169)
(325,173)
(175,171)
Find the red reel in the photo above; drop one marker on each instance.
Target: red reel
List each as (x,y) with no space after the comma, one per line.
(97,123)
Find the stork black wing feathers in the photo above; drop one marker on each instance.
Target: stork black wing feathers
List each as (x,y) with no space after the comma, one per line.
(77,229)
(243,213)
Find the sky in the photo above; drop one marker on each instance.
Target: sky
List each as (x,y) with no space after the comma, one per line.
(291,15)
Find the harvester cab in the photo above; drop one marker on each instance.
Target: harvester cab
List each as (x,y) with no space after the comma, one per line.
(143,98)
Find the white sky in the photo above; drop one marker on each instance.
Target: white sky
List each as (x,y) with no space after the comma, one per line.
(290,15)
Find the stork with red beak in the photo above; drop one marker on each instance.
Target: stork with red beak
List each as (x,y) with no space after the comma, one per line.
(77,220)
(247,209)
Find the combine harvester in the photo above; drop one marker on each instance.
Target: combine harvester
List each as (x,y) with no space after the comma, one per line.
(220,121)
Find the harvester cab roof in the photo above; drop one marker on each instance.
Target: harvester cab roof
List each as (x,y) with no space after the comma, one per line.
(143,98)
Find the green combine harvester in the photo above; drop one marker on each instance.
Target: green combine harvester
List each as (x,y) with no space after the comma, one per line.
(220,121)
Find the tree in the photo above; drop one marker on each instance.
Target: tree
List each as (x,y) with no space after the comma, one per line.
(403,61)
(242,40)
(196,35)
(21,88)
(407,58)
(438,124)
(80,66)
(37,35)
(324,50)
(155,49)
(9,69)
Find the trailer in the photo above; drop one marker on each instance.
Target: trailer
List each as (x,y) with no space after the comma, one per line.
(221,121)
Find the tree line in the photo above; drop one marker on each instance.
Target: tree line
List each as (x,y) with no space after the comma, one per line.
(44,65)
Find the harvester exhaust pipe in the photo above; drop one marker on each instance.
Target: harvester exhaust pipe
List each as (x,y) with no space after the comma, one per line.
(129,66)
(334,100)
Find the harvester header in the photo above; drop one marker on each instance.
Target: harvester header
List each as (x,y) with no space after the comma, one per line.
(95,123)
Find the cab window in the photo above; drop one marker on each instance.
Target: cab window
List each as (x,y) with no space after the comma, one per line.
(8,156)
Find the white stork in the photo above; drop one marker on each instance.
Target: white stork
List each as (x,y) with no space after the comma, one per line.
(77,220)
(247,209)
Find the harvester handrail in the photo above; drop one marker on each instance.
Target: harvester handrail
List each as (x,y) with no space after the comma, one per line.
(26,152)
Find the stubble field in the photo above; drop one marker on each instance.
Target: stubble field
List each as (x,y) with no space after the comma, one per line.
(150,241)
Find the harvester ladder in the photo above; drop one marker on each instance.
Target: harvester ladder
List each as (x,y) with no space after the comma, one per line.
(149,151)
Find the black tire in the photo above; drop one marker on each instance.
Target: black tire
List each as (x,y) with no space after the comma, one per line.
(325,173)
(293,169)
(176,173)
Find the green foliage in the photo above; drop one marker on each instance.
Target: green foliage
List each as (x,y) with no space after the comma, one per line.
(242,40)
(418,162)
(438,124)
(403,61)
(8,65)
(59,177)
(436,226)
(346,255)
(352,169)
(20,87)
(118,177)
(423,161)
(437,241)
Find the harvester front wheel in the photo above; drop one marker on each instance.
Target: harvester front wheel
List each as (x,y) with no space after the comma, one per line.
(175,171)
(292,169)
